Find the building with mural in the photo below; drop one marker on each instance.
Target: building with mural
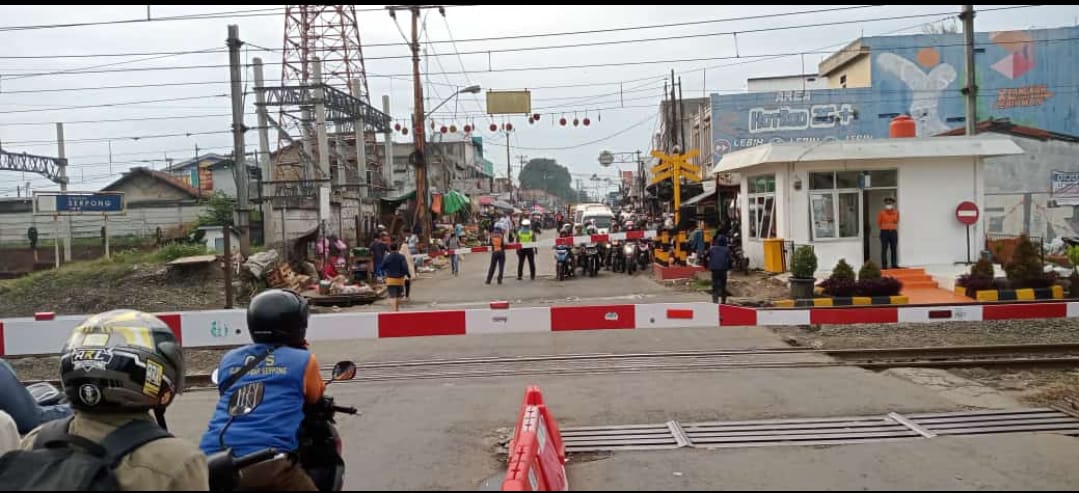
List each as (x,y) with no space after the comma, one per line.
(1025,78)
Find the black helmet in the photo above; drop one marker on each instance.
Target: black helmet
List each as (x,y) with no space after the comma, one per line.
(122,360)
(278,316)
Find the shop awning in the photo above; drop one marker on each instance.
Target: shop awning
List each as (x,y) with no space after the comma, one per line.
(498,204)
(698,198)
(453,202)
(411,194)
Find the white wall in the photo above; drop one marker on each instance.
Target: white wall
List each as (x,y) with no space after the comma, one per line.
(141,221)
(928,193)
(789,83)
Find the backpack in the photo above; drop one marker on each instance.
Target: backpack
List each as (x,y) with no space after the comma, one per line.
(61,461)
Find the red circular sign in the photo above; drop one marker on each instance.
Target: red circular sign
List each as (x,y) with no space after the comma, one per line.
(967,212)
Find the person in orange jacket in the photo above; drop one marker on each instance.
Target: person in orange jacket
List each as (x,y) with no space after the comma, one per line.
(888,223)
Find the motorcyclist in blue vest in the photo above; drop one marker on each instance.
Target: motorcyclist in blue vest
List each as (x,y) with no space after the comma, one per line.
(277,321)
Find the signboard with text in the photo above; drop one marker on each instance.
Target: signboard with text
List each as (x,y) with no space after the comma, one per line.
(79,204)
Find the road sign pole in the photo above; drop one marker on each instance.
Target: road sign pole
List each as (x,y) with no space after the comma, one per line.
(968,244)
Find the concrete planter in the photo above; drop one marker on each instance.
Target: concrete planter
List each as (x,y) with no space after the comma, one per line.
(1050,293)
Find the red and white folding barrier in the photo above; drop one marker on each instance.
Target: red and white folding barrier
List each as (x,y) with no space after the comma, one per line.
(46,333)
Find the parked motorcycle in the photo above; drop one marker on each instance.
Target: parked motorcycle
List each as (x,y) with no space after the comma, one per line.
(320,444)
(563,257)
(628,254)
(616,259)
(590,261)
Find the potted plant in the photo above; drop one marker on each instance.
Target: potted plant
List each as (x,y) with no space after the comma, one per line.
(803,266)
(1073,257)
(841,283)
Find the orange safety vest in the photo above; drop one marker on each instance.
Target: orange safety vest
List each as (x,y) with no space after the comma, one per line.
(888,220)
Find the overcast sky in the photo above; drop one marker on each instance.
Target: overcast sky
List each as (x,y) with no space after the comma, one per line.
(621,97)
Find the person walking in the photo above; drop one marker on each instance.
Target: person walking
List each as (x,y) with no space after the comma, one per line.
(395,267)
(719,262)
(453,242)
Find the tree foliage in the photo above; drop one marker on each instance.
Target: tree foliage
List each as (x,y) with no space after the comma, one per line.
(547,175)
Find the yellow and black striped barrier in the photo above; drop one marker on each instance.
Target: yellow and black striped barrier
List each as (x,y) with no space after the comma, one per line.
(1050,293)
(842,301)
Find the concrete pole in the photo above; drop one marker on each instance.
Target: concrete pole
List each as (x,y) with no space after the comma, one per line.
(971,89)
(64,220)
(239,165)
(387,167)
(268,229)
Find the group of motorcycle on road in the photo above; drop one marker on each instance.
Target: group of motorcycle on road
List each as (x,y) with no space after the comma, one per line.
(273,427)
(627,256)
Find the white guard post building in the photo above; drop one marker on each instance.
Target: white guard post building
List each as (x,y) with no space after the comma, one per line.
(828,193)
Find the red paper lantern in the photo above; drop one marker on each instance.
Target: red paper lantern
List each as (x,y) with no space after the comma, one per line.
(453,128)
(494,128)
(535,116)
(586,121)
(404,131)
(562,121)
(468,129)
(443,129)
(576,122)
(509,127)
(397,127)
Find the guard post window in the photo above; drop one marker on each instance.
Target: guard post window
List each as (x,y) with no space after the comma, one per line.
(762,206)
(834,205)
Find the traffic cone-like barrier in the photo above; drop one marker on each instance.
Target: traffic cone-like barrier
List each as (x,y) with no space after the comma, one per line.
(537,455)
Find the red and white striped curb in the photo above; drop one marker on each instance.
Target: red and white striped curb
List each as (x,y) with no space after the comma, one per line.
(569,241)
(45,333)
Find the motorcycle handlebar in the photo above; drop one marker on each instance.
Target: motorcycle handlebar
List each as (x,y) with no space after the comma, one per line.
(345,410)
(255,458)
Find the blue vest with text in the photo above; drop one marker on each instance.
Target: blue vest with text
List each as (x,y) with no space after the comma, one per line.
(276,420)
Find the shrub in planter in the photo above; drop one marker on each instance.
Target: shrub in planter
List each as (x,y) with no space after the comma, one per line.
(842,271)
(869,271)
(839,287)
(974,283)
(981,277)
(883,286)
(1025,269)
(803,266)
(983,268)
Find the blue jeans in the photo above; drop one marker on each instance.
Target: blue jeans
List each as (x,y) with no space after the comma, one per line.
(455,263)
(17,401)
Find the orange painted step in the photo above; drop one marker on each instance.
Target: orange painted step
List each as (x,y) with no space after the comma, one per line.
(920,284)
(903,271)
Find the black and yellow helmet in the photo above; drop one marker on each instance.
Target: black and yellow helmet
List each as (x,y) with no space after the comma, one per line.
(122,360)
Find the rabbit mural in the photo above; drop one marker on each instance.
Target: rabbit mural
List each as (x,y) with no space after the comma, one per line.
(925,90)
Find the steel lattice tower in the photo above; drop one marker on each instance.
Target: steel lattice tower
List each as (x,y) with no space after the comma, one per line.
(331,33)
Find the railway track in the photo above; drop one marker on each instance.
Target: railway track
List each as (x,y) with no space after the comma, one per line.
(1025,355)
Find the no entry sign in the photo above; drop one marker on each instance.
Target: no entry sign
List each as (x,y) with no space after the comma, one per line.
(967,212)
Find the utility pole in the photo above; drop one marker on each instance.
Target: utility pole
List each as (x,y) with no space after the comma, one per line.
(62,154)
(419,132)
(387,166)
(264,152)
(361,143)
(971,89)
(239,165)
(509,165)
(523,160)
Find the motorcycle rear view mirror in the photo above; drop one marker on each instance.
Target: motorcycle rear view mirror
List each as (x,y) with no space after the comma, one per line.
(213,377)
(245,399)
(343,370)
